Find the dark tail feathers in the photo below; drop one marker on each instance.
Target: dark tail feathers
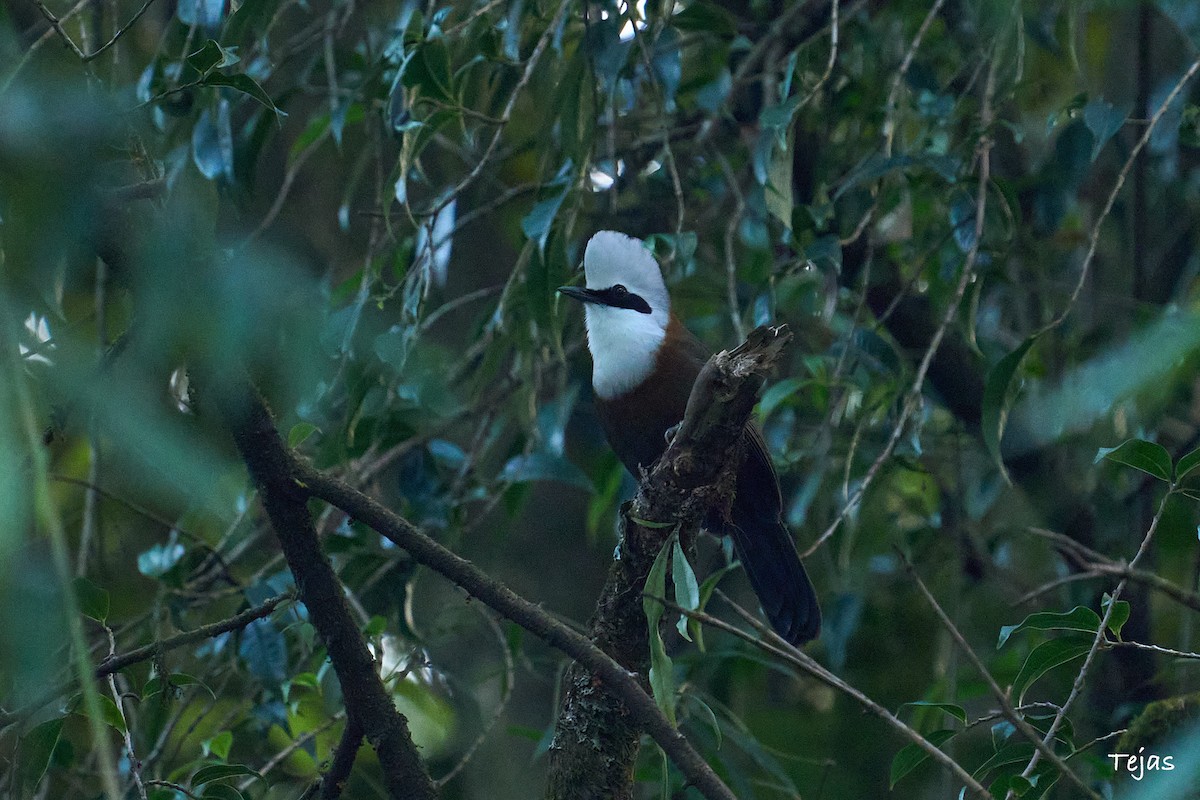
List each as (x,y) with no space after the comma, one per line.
(765,548)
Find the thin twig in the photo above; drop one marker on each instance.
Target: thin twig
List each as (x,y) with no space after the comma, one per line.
(120,31)
(286,186)
(174,787)
(509,681)
(735,313)
(1042,747)
(37,43)
(889,124)
(1094,239)
(135,766)
(1077,687)
(1153,648)
(833,52)
(474,15)
(293,746)
(770,642)
(1091,562)
(115,663)
(57,24)
(1057,583)
(913,397)
(530,68)
(91,518)
(529,616)
(51,522)
(334,780)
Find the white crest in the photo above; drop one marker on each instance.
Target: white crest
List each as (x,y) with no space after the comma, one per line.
(624,342)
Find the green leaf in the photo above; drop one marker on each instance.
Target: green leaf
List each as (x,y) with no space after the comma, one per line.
(429,69)
(157,684)
(1119,615)
(1008,755)
(376,626)
(662,677)
(878,165)
(1080,618)
(545,467)
(662,682)
(110,715)
(222,791)
(36,748)
(687,591)
(264,650)
(912,756)
(1103,120)
(778,118)
(1187,464)
(667,66)
(704,17)
(656,587)
(778,189)
(244,84)
(300,432)
(997,400)
(651,524)
(958,712)
(309,679)
(221,772)
(706,590)
(316,128)
(710,716)
(777,393)
(1149,457)
(93,601)
(211,56)
(1045,657)
(710,583)
(220,744)
(1018,785)
(536,224)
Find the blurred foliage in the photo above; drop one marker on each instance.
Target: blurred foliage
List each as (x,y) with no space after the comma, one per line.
(369,205)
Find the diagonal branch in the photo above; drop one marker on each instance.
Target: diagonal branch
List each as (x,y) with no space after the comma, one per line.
(368,703)
(1042,747)
(912,400)
(596,737)
(1100,637)
(57,25)
(770,642)
(476,583)
(730,382)
(116,663)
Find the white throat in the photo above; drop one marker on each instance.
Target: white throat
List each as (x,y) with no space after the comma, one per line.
(624,342)
(624,347)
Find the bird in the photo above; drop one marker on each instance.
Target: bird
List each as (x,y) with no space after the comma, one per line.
(644,364)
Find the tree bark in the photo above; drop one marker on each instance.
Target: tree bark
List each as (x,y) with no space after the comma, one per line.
(596,737)
(369,705)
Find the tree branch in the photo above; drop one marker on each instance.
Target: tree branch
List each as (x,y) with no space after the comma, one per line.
(1045,748)
(596,737)
(772,643)
(367,700)
(333,781)
(609,674)
(116,663)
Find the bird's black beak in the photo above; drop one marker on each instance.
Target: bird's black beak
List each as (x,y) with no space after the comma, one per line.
(581,293)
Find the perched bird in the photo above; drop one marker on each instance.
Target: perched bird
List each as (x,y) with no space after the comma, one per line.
(644,363)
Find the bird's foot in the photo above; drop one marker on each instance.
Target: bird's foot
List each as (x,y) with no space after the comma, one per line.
(669,434)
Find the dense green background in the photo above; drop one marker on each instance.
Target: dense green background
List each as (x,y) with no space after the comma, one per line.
(370,204)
